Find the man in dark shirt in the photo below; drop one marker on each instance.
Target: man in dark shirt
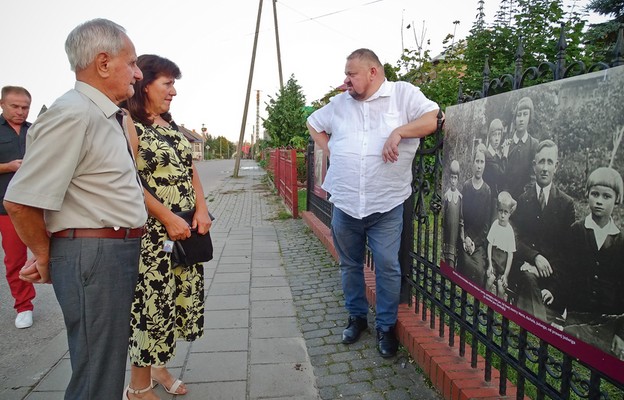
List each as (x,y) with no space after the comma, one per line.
(542,221)
(15,102)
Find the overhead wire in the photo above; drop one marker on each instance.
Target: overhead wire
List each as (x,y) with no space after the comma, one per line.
(316,18)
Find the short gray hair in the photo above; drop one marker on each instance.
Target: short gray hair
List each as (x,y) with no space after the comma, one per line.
(91,38)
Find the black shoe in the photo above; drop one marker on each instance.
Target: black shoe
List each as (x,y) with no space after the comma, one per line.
(356,326)
(387,343)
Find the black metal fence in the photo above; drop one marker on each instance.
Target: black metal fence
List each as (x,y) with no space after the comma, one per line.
(319,206)
(537,369)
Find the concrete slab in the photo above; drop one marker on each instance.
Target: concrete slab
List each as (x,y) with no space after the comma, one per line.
(229,288)
(228,302)
(226,319)
(278,350)
(270,293)
(291,380)
(272,308)
(274,327)
(222,340)
(231,277)
(216,367)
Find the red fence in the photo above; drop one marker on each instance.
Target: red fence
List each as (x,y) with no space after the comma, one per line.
(283,164)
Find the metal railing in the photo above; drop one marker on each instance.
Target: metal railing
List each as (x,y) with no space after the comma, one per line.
(488,339)
(538,369)
(319,206)
(283,166)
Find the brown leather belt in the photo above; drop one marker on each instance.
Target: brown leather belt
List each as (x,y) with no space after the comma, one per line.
(103,233)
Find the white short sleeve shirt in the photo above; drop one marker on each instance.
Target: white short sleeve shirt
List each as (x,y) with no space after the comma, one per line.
(359,182)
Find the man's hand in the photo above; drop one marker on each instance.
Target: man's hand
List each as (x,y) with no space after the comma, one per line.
(526,267)
(547,297)
(35,272)
(390,150)
(469,246)
(14,165)
(543,266)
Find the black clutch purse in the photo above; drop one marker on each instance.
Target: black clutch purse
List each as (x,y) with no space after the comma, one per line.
(195,249)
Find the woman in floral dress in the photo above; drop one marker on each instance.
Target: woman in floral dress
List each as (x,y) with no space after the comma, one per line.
(169,299)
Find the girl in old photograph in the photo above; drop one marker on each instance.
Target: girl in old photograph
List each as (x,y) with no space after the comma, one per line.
(501,246)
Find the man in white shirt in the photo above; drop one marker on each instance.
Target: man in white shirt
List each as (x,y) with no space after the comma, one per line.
(371,133)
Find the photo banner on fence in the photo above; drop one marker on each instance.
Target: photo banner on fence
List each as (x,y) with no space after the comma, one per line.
(533,220)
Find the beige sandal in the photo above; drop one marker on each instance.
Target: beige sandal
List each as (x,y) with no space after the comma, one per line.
(173,389)
(128,390)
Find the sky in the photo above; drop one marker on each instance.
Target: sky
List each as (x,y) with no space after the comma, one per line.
(212,42)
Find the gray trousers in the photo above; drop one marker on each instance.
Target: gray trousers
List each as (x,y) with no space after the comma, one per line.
(94,282)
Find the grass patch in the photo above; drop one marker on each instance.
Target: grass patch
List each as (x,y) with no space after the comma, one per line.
(302,198)
(284,215)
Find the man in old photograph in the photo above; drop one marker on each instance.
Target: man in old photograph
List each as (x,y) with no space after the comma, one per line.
(542,220)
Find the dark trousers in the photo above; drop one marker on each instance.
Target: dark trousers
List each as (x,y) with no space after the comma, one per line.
(94,282)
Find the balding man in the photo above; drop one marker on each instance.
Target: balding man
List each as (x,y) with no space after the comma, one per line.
(371,133)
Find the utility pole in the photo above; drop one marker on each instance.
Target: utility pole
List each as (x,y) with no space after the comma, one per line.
(257,116)
(277,42)
(251,147)
(241,137)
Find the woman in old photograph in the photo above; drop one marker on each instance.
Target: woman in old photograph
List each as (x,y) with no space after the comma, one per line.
(495,161)
(476,214)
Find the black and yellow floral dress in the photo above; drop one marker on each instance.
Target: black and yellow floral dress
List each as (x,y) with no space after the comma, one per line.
(168,300)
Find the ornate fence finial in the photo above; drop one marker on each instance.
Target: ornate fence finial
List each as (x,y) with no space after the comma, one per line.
(561,52)
(518,71)
(486,77)
(460,93)
(618,52)
(440,120)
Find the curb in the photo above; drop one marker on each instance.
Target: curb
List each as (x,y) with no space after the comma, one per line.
(449,373)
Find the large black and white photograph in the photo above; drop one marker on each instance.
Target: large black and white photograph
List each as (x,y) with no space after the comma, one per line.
(532,205)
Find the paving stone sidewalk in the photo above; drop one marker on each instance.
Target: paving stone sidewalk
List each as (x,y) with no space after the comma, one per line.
(355,371)
(274,317)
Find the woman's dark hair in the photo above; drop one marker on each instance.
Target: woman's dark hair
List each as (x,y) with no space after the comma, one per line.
(153,67)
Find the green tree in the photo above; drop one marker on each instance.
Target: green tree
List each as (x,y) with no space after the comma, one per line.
(537,23)
(601,38)
(220,147)
(437,78)
(478,49)
(286,119)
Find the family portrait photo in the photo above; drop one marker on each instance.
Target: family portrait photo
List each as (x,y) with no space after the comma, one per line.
(532,204)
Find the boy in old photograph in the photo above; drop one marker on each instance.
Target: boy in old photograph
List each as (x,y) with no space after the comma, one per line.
(594,299)
(501,247)
(451,216)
